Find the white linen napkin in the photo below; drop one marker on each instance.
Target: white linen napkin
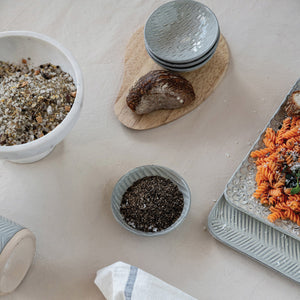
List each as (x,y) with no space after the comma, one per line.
(121,281)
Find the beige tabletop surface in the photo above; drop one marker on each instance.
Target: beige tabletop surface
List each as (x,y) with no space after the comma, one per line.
(65,198)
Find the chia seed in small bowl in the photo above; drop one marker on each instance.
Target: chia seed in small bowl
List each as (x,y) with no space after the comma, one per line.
(150,200)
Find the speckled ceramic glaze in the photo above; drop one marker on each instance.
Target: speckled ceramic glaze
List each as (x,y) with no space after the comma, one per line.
(181,31)
(150,170)
(240,188)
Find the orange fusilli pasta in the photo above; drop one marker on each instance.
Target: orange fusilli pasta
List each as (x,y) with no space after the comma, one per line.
(277,165)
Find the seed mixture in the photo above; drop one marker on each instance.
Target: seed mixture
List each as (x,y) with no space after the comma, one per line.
(33,101)
(151,204)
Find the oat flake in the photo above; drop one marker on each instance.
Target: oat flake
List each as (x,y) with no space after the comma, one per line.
(32,101)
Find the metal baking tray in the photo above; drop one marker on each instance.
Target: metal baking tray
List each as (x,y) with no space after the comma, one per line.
(255,239)
(242,185)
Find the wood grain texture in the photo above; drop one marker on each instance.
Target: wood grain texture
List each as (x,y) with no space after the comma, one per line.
(137,63)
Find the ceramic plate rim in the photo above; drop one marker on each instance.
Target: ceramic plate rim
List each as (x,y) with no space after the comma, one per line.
(251,246)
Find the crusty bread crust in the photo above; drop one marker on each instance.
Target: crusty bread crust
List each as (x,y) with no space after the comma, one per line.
(292,107)
(160,89)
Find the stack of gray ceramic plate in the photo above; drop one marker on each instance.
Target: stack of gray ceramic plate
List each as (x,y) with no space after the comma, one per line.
(182,35)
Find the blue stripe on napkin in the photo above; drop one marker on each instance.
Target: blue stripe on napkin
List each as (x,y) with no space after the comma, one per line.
(130,282)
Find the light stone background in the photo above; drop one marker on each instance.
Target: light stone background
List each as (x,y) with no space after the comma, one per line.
(65,198)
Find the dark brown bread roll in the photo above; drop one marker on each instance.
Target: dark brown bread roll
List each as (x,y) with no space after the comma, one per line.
(292,107)
(160,89)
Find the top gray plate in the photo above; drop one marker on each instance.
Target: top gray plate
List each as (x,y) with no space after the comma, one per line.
(240,188)
(181,31)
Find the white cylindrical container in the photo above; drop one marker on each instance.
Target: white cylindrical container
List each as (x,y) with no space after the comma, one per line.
(17,249)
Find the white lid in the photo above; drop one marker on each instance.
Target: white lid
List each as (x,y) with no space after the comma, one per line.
(15,260)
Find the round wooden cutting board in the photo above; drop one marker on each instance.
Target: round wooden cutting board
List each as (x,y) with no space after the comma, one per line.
(138,63)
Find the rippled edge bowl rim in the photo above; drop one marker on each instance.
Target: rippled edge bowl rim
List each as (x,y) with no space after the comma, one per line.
(78,99)
(183,60)
(187,64)
(185,69)
(187,202)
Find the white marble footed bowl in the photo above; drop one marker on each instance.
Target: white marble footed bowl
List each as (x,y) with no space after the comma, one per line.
(15,45)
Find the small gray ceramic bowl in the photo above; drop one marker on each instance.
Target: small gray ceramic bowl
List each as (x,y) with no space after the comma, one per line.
(201,60)
(189,68)
(149,170)
(181,31)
